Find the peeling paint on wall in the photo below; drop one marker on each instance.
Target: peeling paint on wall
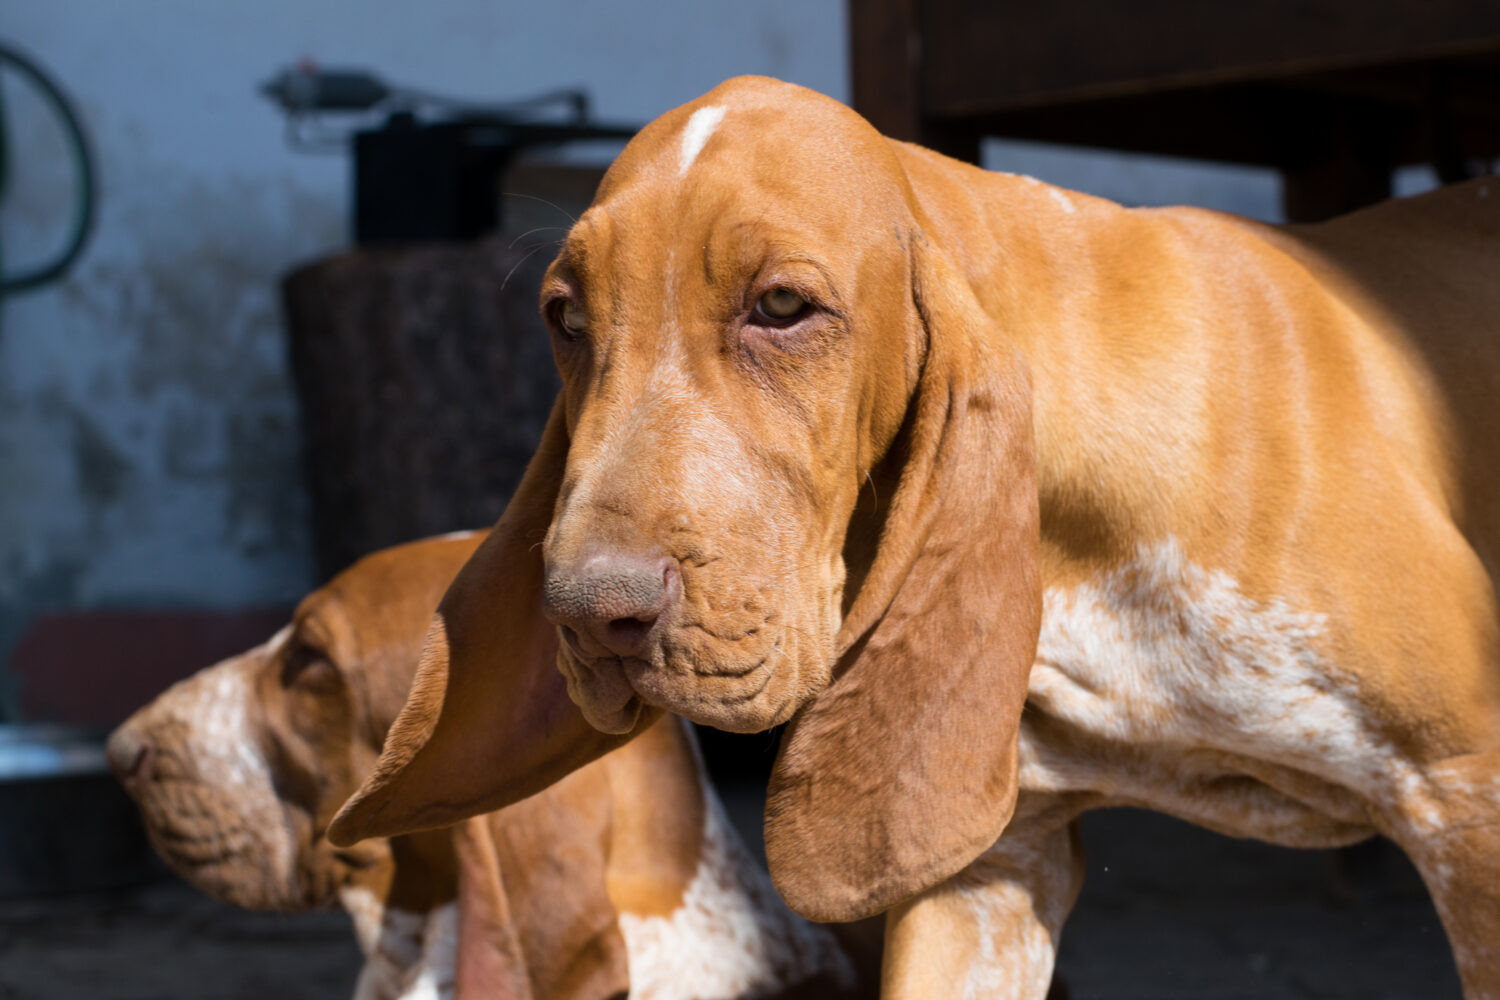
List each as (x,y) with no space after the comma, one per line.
(145,407)
(148,430)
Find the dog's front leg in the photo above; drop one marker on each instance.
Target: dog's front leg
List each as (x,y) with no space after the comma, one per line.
(1447,818)
(992,930)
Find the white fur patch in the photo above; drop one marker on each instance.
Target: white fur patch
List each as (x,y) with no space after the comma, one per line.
(1017,945)
(699,127)
(213,708)
(1161,684)
(408,956)
(732,937)
(454,536)
(222,720)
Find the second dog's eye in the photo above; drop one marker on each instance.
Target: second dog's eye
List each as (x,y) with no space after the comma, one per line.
(780,305)
(309,668)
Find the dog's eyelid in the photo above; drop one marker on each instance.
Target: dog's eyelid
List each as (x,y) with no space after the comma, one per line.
(305,659)
(799,272)
(817,301)
(560,285)
(310,632)
(821,296)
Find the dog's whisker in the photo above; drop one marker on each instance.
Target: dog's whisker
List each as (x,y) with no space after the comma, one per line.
(538,229)
(516,266)
(550,204)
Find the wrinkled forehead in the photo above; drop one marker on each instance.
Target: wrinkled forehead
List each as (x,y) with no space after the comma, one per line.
(794,167)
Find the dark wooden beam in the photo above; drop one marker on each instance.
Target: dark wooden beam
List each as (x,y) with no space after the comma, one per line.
(884,60)
(983,56)
(1342,162)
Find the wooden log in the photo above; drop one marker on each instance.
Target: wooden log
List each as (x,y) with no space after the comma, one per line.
(425,376)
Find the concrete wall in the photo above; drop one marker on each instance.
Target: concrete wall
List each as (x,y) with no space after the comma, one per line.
(148,445)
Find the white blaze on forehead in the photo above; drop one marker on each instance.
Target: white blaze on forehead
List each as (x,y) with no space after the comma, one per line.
(695,136)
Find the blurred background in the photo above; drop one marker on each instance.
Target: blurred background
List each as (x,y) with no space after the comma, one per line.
(277,347)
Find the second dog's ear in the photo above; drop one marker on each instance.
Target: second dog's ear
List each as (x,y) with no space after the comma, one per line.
(488,721)
(553,854)
(535,917)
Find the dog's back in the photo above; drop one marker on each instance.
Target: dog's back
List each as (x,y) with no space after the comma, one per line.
(1426,270)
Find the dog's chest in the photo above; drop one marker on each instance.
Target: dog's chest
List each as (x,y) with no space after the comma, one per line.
(408,956)
(1161,684)
(732,936)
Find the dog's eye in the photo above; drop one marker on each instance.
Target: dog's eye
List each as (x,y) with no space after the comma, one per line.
(780,306)
(306,667)
(572,318)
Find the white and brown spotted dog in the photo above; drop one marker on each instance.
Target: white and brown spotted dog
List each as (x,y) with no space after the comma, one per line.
(1012,503)
(625,876)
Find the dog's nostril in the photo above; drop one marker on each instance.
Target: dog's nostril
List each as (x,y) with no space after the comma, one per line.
(630,628)
(129,755)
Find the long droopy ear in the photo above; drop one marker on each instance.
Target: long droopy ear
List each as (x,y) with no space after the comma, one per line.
(535,919)
(490,962)
(553,854)
(488,720)
(903,769)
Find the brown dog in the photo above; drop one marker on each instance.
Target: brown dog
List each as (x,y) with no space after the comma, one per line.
(624,876)
(860,437)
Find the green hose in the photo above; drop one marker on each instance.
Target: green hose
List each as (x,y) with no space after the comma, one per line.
(83,216)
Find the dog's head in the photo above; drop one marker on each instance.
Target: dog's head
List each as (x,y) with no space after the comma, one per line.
(733,378)
(238,769)
(789,478)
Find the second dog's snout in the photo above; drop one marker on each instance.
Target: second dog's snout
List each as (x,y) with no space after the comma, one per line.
(129,754)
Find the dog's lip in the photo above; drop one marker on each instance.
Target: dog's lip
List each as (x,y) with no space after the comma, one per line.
(587,650)
(570,639)
(356,859)
(610,703)
(740,703)
(623,685)
(617,720)
(595,663)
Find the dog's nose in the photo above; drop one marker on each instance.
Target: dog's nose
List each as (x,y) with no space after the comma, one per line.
(610,601)
(129,754)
